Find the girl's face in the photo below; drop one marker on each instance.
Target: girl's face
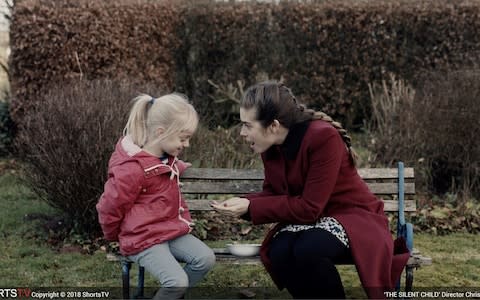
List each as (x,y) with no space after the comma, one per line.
(176,142)
(260,138)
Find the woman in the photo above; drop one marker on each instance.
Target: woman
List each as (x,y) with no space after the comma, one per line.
(325,212)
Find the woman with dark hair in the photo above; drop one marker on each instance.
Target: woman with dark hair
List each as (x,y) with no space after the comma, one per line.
(324,211)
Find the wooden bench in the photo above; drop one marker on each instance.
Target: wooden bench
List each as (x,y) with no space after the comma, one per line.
(395,186)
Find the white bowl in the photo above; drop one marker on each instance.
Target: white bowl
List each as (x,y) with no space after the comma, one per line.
(244,249)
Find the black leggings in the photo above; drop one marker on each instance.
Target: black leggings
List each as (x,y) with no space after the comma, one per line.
(304,262)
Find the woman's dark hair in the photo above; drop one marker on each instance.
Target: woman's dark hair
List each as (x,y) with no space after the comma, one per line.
(275,101)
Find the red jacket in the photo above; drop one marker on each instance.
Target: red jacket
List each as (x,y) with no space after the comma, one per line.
(311,176)
(142,205)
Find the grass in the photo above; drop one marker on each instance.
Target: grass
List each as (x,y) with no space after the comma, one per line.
(27,260)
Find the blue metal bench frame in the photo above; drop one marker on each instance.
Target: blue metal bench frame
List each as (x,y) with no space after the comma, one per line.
(126,266)
(404,229)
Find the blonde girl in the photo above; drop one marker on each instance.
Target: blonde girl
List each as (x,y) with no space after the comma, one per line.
(142,206)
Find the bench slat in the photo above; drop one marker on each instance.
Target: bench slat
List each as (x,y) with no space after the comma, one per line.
(252,174)
(384,173)
(231,187)
(222,174)
(389,205)
(222,255)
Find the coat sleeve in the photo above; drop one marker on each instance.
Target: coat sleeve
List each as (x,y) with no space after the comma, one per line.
(325,154)
(182,166)
(266,191)
(186,212)
(121,189)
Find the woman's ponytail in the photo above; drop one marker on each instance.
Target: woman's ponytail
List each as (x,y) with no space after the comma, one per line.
(318,115)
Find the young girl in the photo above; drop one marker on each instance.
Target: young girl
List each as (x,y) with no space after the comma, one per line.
(325,212)
(142,207)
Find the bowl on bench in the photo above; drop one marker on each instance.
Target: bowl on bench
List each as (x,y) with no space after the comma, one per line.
(243,250)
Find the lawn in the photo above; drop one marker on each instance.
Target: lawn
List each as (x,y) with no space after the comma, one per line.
(27,260)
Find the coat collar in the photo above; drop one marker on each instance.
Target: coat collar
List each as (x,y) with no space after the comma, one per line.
(292,143)
(149,162)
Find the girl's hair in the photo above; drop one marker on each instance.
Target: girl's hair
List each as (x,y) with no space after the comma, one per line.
(275,101)
(173,112)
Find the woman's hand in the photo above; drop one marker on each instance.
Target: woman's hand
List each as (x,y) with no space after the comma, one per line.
(234,207)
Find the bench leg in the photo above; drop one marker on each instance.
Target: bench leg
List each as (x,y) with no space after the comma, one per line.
(397,285)
(408,279)
(126,279)
(141,282)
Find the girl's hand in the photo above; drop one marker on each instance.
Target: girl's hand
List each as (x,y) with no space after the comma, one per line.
(234,207)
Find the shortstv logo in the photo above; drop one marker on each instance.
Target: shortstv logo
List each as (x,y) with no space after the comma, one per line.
(15,293)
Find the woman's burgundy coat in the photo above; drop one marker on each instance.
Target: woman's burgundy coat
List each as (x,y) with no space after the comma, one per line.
(311,175)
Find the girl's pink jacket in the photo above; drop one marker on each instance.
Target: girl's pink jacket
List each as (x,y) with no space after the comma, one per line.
(141,204)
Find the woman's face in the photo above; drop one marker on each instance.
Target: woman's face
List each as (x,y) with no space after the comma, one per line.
(260,138)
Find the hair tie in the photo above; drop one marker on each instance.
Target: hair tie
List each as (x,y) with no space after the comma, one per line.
(152,100)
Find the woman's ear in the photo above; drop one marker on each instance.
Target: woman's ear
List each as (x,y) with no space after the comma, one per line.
(274,126)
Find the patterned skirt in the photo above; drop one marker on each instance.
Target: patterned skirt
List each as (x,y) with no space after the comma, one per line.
(326,223)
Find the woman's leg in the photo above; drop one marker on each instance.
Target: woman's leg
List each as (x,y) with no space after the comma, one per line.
(199,258)
(315,253)
(281,256)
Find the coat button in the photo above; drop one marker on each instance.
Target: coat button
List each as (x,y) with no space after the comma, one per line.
(144,190)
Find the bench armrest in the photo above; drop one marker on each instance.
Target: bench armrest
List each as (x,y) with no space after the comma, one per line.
(404,229)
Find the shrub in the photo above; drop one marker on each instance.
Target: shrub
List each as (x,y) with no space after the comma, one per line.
(434,129)
(220,148)
(392,122)
(448,115)
(134,40)
(233,153)
(326,51)
(448,217)
(66,142)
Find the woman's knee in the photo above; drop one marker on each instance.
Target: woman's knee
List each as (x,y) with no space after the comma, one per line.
(279,257)
(280,249)
(318,244)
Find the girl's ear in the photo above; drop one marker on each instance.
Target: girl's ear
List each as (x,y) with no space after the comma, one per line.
(159,131)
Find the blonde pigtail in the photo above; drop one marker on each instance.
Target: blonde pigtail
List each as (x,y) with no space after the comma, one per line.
(136,126)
